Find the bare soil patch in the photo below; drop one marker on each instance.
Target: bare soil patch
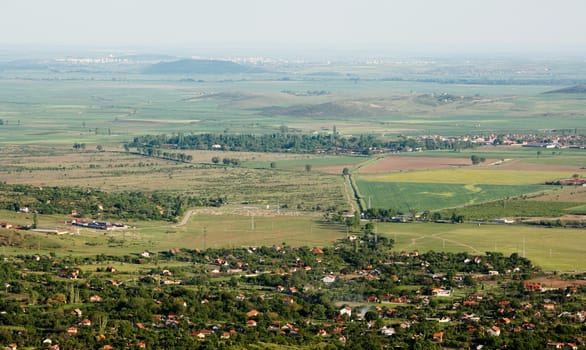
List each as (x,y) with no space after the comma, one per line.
(565,194)
(394,163)
(554,281)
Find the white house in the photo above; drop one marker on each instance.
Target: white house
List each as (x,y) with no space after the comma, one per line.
(346,311)
(329,279)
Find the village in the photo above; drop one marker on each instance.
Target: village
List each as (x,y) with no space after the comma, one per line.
(357,293)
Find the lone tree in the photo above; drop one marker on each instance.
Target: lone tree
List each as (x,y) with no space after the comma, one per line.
(477,160)
(345,171)
(215,160)
(308,167)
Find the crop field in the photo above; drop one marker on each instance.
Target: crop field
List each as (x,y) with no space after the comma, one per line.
(523,209)
(502,156)
(549,248)
(471,176)
(437,180)
(406,196)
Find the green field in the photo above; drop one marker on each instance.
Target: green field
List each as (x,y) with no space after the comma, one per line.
(319,163)
(526,154)
(559,249)
(466,176)
(549,248)
(114,106)
(210,229)
(406,196)
(116,171)
(518,208)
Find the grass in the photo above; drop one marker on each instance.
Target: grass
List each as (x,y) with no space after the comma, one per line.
(526,154)
(116,171)
(470,176)
(552,249)
(219,228)
(577,210)
(115,106)
(318,163)
(238,230)
(516,208)
(405,196)
(46,112)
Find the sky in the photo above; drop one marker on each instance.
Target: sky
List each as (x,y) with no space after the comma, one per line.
(375,25)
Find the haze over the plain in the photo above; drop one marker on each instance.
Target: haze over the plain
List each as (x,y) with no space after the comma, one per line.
(417,26)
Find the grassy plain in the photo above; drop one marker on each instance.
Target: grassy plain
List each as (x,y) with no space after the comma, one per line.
(224,227)
(559,249)
(117,171)
(112,108)
(325,164)
(45,112)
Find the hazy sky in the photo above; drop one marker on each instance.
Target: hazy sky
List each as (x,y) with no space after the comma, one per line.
(386,25)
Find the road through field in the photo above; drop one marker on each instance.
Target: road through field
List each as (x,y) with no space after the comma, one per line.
(350,195)
(186,218)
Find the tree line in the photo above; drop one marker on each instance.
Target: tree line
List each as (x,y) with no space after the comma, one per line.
(289,142)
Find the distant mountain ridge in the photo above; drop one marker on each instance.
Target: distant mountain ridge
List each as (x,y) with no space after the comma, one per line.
(198,66)
(577,89)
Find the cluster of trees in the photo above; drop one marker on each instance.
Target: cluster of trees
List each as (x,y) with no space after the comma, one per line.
(289,142)
(307,92)
(476,159)
(95,203)
(226,161)
(158,153)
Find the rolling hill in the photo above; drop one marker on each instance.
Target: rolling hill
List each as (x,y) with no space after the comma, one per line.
(192,66)
(577,89)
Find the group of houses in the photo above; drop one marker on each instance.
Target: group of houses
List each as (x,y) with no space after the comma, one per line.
(98,225)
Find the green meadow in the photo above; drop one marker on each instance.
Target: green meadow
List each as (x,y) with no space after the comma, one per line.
(406,196)
(221,228)
(319,163)
(552,249)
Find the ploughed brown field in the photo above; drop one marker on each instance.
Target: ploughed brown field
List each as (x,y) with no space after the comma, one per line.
(566,194)
(553,281)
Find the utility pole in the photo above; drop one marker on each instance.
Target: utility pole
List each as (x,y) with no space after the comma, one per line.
(204,237)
